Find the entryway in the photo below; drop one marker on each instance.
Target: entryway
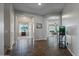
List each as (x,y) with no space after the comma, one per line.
(24,27)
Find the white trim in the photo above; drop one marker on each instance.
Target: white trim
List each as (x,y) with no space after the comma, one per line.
(42,39)
(71,52)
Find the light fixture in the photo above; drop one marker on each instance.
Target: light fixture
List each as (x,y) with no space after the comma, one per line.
(66,16)
(53,17)
(39,4)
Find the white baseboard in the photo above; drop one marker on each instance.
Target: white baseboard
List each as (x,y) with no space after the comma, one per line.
(42,39)
(71,52)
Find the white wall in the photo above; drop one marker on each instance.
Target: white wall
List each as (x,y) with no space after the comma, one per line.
(8,26)
(70,19)
(11,25)
(39,33)
(1,29)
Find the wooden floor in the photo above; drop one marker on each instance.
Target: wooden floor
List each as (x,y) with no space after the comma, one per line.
(28,47)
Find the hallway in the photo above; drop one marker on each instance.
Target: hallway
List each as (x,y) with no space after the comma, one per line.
(30,29)
(26,47)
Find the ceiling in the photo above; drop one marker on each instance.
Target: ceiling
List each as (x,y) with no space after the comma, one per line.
(34,8)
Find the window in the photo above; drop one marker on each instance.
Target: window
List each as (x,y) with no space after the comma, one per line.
(52,28)
(23,27)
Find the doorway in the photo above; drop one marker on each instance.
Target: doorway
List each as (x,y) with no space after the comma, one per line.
(52,32)
(24,27)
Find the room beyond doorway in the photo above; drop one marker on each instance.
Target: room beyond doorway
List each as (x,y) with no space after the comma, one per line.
(24,27)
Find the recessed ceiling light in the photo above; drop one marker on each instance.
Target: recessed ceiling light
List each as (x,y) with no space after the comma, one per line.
(39,4)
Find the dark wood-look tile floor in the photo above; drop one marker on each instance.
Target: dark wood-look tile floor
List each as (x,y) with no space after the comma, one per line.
(26,47)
